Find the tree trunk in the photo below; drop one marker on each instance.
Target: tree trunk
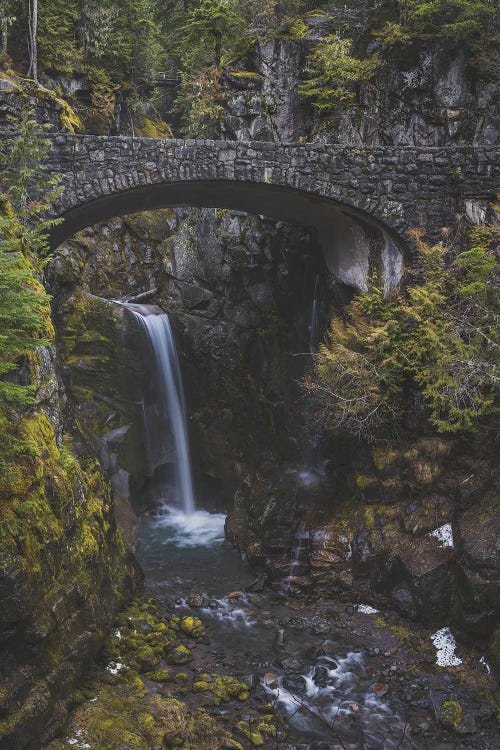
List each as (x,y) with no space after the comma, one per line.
(4,24)
(403,12)
(33,42)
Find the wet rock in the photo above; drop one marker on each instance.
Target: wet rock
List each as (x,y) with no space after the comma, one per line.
(195,601)
(295,683)
(291,664)
(271,680)
(404,602)
(494,654)
(478,566)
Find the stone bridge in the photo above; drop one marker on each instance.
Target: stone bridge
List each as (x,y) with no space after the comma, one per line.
(358,199)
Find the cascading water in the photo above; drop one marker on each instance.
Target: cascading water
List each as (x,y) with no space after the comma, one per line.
(178,524)
(159,334)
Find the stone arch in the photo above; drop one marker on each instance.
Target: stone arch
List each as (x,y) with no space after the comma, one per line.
(349,237)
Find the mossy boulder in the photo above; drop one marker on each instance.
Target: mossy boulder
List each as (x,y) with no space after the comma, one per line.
(179,655)
(223,687)
(451,714)
(128,717)
(192,626)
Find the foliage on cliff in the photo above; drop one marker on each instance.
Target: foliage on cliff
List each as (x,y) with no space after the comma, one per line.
(24,305)
(433,350)
(459,20)
(334,72)
(57,531)
(115,49)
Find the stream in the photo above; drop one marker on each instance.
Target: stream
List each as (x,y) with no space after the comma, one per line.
(322,682)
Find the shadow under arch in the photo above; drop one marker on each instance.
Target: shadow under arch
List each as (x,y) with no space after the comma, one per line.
(346,234)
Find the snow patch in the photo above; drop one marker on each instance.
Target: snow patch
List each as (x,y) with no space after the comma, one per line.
(365,609)
(445,646)
(444,535)
(114,667)
(78,741)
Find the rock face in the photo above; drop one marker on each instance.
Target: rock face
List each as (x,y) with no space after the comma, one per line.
(427,96)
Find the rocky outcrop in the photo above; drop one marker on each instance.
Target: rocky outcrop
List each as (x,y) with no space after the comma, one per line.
(64,568)
(399,526)
(64,572)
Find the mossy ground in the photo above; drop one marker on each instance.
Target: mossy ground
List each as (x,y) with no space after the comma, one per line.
(125,706)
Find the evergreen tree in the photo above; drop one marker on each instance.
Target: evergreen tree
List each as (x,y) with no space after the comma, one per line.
(438,343)
(209,27)
(8,13)
(57,37)
(460,20)
(334,73)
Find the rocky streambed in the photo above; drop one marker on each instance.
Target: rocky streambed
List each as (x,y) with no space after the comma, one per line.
(205,661)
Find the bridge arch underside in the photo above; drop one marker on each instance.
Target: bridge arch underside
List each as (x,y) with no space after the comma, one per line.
(352,241)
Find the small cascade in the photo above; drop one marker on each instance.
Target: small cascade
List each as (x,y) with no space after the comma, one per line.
(156,327)
(313,325)
(299,567)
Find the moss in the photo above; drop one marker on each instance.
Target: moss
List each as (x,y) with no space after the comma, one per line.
(147,658)
(384,456)
(365,481)
(370,517)
(123,716)
(253,735)
(400,632)
(161,675)
(141,639)
(451,714)
(223,687)
(152,127)
(247,75)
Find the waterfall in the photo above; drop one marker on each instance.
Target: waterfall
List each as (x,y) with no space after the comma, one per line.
(159,334)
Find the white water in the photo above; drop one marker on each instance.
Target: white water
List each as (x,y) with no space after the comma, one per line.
(335,692)
(196,529)
(159,333)
(233,612)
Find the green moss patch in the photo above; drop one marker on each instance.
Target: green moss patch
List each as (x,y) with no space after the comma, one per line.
(224,688)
